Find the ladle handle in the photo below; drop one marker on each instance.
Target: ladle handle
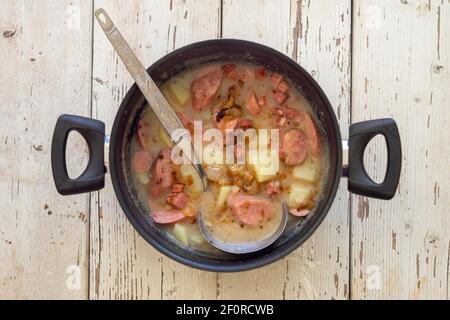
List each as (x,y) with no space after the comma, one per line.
(149,89)
(167,117)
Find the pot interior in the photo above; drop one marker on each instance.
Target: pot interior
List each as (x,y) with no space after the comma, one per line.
(124,130)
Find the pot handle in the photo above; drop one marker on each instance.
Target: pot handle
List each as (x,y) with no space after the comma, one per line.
(93,178)
(359,181)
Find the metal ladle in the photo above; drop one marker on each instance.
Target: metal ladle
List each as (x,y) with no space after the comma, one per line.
(171,122)
(246,247)
(163,111)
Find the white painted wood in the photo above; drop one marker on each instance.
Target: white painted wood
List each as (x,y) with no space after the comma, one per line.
(400,69)
(123,265)
(401,62)
(317,34)
(45,72)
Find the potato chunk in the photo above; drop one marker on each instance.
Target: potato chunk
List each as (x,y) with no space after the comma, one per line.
(176,93)
(191,179)
(263,172)
(222,196)
(180,232)
(307,171)
(196,238)
(298,195)
(188,234)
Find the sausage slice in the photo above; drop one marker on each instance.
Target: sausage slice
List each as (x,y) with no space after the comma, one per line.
(162,174)
(314,138)
(178,200)
(251,210)
(204,88)
(294,147)
(167,216)
(188,123)
(300,212)
(143,131)
(142,161)
(252,104)
(280,97)
(276,79)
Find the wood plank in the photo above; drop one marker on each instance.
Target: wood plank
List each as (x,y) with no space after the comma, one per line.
(46,71)
(401,70)
(317,35)
(123,265)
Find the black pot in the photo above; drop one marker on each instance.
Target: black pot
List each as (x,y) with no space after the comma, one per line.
(132,105)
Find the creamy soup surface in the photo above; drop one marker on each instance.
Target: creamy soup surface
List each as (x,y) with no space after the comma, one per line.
(243,202)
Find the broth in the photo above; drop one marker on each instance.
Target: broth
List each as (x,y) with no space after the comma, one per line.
(242,203)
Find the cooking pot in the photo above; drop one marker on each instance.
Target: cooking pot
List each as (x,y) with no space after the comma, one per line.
(345,157)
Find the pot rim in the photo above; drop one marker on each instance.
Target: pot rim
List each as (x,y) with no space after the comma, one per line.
(261,260)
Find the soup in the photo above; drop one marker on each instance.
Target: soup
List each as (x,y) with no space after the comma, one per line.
(245,198)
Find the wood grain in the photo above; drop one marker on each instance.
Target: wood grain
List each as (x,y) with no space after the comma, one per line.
(401,63)
(45,72)
(123,265)
(317,35)
(396,65)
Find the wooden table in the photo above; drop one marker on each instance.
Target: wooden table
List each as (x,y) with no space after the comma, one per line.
(373,58)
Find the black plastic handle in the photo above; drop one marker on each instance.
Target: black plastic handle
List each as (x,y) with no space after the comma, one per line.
(359,181)
(93,178)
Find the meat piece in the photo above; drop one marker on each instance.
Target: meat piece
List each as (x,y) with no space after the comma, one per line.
(294,116)
(262,101)
(280,97)
(142,161)
(177,187)
(283,87)
(277,111)
(234,75)
(276,79)
(313,136)
(178,200)
(143,131)
(230,71)
(273,189)
(167,216)
(204,88)
(250,210)
(299,212)
(162,174)
(294,147)
(252,104)
(279,83)
(279,121)
(245,123)
(260,73)
(291,113)
(188,123)
(227,68)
